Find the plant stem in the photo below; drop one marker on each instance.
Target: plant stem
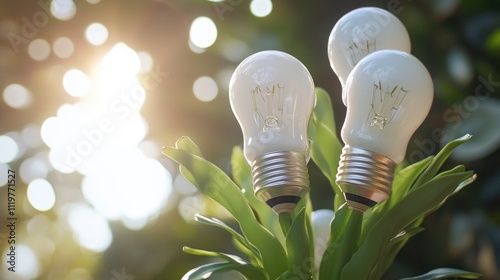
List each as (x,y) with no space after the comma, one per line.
(285,222)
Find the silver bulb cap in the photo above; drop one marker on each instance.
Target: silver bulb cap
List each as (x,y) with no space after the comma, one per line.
(280,179)
(365,177)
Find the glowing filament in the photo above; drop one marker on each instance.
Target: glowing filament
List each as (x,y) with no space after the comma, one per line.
(268,105)
(385,102)
(360,50)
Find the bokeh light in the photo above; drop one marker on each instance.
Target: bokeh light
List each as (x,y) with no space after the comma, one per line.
(63,9)
(261,8)
(196,49)
(63,47)
(17,96)
(4,168)
(39,49)
(87,110)
(112,189)
(203,32)
(31,135)
(205,89)
(33,168)
(76,83)
(41,195)
(8,149)
(29,267)
(81,218)
(96,34)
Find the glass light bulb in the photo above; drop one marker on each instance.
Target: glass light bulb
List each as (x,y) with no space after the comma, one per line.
(272,96)
(390,93)
(360,32)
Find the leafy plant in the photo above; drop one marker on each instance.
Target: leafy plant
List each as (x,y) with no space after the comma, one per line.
(361,245)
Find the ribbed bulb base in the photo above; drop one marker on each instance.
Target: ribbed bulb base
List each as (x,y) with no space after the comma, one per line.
(364,177)
(280,179)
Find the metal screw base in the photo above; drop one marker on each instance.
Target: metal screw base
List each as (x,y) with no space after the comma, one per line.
(280,179)
(364,177)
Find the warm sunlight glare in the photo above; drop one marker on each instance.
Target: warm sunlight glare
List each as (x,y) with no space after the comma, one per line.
(118,66)
(131,188)
(90,229)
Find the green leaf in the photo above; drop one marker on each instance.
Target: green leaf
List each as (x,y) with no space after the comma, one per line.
(395,245)
(445,273)
(345,229)
(325,146)
(205,271)
(242,176)
(204,253)
(403,180)
(297,244)
(414,205)
(440,158)
(213,182)
(323,109)
(237,237)
(186,144)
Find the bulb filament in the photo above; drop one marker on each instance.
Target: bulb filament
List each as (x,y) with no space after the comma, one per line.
(268,105)
(360,50)
(385,103)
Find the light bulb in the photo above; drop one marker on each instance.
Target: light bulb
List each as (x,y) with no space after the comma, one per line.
(272,97)
(389,93)
(360,32)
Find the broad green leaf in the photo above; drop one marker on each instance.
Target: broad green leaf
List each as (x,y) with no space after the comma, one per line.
(186,144)
(213,182)
(403,180)
(344,233)
(205,271)
(204,253)
(414,205)
(440,158)
(325,146)
(395,245)
(445,273)
(298,246)
(242,176)
(323,109)
(237,237)
(465,183)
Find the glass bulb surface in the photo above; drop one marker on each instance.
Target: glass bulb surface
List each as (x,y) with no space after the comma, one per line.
(361,32)
(389,93)
(272,96)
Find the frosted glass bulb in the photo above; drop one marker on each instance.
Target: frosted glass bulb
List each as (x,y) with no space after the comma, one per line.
(360,32)
(272,96)
(389,93)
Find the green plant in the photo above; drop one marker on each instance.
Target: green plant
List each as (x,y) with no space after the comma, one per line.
(361,245)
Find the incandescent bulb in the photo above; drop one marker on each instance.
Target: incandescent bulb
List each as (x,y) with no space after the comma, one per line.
(272,97)
(389,93)
(361,32)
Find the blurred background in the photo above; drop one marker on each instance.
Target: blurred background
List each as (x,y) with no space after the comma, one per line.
(91,91)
